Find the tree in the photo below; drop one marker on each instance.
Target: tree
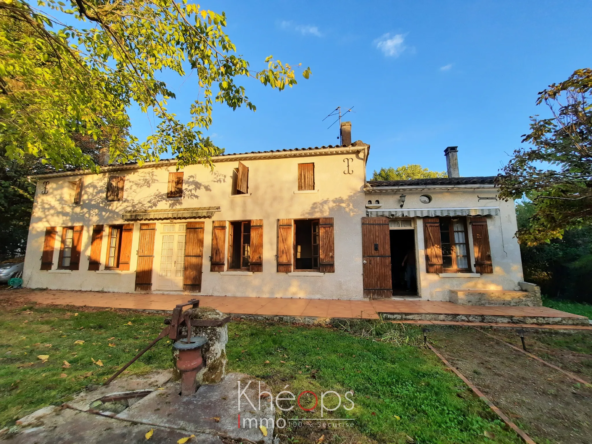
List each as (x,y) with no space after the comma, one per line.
(59,79)
(406,172)
(555,172)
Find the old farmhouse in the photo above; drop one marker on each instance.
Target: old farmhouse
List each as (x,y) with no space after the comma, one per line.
(299,223)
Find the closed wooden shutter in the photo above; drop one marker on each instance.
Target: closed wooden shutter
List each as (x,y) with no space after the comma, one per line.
(376,256)
(327,245)
(175,188)
(218,243)
(48,248)
(120,187)
(145,257)
(194,241)
(256,259)
(306,176)
(95,248)
(483,263)
(76,247)
(242,181)
(285,245)
(125,248)
(433,244)
(115,187)
(78,192)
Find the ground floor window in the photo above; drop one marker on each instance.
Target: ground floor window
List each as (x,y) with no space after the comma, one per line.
(239,245)
(68,234)
(307,244)
(113,254)
(453,232)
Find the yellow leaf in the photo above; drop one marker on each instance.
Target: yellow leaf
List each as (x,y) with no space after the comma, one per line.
(184,440)
(216,418)
(75,314)
(66,364)
(79,342)
(149,434)
(63,375)
(111,345)
(398,418)
(43,358)
(99,363)
(263,430)
(129,323)
(321,439)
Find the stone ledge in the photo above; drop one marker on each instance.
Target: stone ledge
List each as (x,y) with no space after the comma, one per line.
(495,297)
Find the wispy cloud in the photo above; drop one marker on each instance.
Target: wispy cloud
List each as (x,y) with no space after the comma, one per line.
(302,29)
(446,67)
(391,46)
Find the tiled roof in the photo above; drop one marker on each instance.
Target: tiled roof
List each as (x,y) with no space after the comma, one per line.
(481,180)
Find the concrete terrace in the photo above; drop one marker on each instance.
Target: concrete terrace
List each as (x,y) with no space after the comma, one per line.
(417,312)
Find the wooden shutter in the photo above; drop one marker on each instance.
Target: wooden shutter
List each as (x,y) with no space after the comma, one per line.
(48,247)
(120,187)
(95,248)
(306,176)
(76,247)
(61,255)
(194,241)
(125,248)
(242,181)
(175,188)
(218,243)
(285,245)
(327,245)
(256,259)
(78,192)
(483,263)
(376,255)
(433,244)
(145,257)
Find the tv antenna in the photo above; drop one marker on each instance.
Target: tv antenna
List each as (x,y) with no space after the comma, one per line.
(337,112)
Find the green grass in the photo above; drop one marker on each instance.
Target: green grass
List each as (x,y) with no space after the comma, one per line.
(569,307)
(389,374)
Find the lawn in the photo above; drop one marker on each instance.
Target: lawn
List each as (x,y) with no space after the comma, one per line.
(402,393)
(569,307)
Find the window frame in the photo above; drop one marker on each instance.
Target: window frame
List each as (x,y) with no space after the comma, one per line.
(314,223)
(314,185)
(453,244)
(174,191)
(65,232)
(120,189)
(231,241)
(117,255)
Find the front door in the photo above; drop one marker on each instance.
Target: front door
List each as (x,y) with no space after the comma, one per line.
(376,252)
(172,257)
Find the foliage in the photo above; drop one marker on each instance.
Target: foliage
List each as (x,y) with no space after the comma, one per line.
(406,172)
(555,173)
(572,307)
(561,267)
(82,75)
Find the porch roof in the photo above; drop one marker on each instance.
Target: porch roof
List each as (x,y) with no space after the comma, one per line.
(433,212)
(181,213)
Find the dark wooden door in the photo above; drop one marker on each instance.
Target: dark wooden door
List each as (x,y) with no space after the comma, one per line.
(145,257)
(376,252)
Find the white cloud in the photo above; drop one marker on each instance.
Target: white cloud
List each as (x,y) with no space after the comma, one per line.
(391,46)
(446,67)
(302,29)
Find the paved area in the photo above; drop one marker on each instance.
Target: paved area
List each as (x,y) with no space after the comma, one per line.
(319,308)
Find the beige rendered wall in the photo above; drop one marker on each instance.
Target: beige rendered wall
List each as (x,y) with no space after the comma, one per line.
(505,251)
(272,195)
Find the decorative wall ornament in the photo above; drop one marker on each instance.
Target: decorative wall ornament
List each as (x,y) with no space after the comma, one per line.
(348,160)
(425,198)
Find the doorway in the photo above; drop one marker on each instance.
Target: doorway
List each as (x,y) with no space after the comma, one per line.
(172,258)
(403,262)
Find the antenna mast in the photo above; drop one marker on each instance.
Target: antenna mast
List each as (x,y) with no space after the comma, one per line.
(337,112)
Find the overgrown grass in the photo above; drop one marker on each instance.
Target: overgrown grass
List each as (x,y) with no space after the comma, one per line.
(402,393)
(569,307)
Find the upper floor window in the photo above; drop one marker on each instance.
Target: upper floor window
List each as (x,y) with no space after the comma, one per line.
(45,187)
(306,179)
(240,179)
(175,188)
(76,191)
(115,187)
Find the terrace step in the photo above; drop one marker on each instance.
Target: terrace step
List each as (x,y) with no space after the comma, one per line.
(495,297)
(487,318)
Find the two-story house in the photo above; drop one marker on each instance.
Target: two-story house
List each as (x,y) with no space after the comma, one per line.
(288,223)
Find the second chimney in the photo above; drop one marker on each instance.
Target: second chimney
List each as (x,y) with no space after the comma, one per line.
(451,154)
(346,133)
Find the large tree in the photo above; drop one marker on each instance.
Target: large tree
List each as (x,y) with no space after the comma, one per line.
(406,172)
(555,171)
(81,76)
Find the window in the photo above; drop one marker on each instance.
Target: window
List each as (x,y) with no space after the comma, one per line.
(119,247)
(453,233)
(307,244)
(76,191)
(114,247)
(240,179)
(115,187)
(306,179)
(67,247)
(239,245)
(45,187)
(175,188)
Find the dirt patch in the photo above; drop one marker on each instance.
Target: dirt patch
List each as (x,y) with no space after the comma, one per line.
(544,402)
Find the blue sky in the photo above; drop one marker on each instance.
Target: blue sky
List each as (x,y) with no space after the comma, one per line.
(422,75)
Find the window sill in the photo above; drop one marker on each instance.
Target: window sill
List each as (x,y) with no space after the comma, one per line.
(236,273)
(113,272)
(459,275)
(306,191)
(306,273)
(59,271)
(241,195)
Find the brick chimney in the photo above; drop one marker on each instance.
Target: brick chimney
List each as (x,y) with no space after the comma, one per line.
(346,133)
(451,154)
(104,156)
